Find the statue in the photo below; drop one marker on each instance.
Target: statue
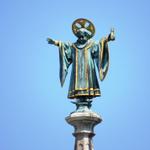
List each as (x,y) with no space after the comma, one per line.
(84,55)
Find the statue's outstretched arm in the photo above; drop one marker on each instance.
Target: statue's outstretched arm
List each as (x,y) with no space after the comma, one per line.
(54,42)
(111,36)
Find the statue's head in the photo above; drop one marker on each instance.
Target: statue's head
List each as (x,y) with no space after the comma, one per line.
(83,35)
(83,29)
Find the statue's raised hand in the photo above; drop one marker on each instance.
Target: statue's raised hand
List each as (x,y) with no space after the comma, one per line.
(50,41)
(111,36)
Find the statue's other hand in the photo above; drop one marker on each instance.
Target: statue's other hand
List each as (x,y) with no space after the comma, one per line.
(50,41)
(111,36)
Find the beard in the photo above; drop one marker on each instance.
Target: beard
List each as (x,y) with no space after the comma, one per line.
(82,40)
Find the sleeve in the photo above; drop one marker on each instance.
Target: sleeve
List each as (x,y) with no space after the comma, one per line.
(102,58)
(65,60)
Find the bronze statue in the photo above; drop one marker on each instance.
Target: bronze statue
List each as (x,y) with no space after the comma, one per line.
(84,55)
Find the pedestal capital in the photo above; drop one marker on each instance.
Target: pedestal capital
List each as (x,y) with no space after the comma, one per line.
(83,123)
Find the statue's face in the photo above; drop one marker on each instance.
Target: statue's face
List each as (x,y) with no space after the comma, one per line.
(83,36)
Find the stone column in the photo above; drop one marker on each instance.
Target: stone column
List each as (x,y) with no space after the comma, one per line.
(83,123)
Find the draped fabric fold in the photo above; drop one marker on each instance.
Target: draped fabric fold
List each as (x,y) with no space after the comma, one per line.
(83,81)
(102,61)
(64,60)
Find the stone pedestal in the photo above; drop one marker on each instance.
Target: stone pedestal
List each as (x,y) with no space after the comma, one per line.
(83,123)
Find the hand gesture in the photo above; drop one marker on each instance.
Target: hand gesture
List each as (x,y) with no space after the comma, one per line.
(50,41)
(111,36)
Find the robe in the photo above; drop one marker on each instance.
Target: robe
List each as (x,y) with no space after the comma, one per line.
(83,80)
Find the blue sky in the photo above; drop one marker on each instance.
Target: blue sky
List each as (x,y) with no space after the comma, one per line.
(32,103)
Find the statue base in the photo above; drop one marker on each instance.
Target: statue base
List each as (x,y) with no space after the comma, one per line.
(83,122)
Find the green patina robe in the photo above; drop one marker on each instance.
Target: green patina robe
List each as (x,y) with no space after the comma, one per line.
(84,81)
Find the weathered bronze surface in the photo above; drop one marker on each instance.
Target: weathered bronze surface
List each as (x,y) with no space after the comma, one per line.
(85,55)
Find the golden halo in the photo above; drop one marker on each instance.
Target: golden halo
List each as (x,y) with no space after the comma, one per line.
(83,23)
